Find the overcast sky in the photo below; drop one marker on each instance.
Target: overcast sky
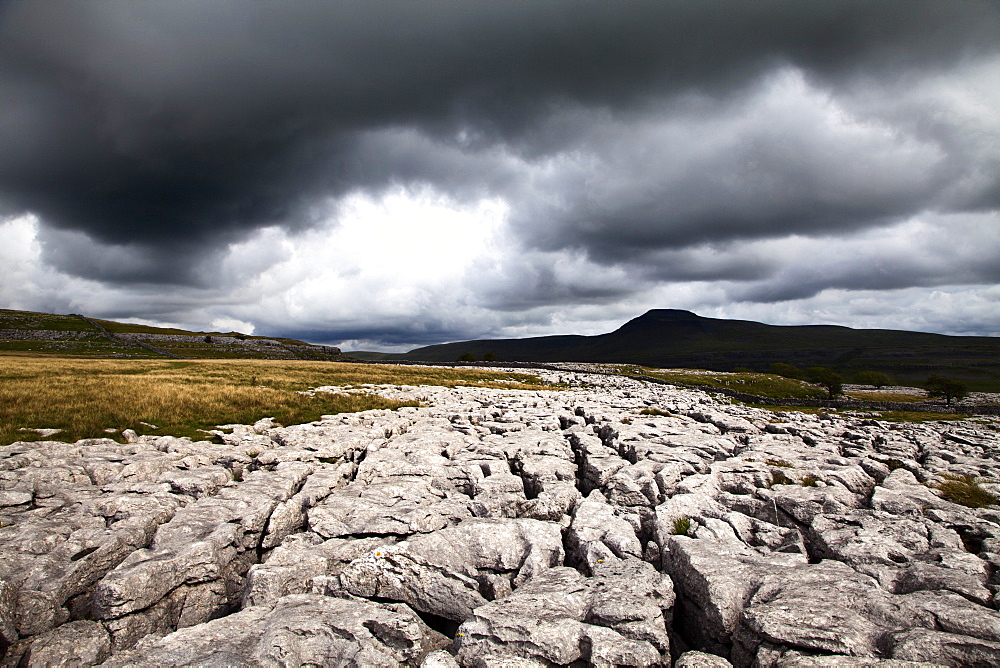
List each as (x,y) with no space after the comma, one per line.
(383,175)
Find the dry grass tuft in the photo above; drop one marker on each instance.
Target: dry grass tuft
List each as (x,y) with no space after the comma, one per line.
(965,490)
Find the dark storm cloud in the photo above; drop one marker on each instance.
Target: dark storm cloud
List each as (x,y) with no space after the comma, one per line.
(174,128)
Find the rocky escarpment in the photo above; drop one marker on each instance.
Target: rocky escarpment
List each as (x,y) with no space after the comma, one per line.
(507,527)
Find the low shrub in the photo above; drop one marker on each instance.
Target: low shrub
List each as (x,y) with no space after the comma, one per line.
(681,526)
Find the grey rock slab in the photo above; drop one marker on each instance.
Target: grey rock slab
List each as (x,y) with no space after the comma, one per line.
(157,620)
(725,422)
(197,483)
(8,601)
(826,607)
(793,659)
(691,507)
(79,643)
(439,658)
(634,486)
(499,494)
(806,503)
(946,649)
(14,498)
(293,567)
(597,535)
(871,541)
(291,516)
(952,613)
(452,571)
(553,504)
(716,579)
(146,576)
(764,535)
(921,576)
(198,543)
(597,461)
(301,629)
(616,618)
(73,567)
(696,659)
(401,506)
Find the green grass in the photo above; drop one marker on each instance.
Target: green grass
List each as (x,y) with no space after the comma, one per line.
(887,416)
(760,384)
(43,321)
(133,328)
(84,397)
(89,341)
(876,395)
(90,347)
(681,526)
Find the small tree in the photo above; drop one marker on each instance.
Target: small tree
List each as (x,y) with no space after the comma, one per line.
(466,357)
(949,388)
(787,370)
(826,378)
(873,378)
(489,356)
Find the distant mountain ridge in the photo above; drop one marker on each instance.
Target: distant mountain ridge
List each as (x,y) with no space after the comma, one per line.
(74,334)
(676,338)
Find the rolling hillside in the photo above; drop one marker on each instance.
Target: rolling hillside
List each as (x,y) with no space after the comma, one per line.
(673,338)
(73,334)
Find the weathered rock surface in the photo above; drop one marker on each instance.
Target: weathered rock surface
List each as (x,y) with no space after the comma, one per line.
(618,617)
(528,528)
(301,629)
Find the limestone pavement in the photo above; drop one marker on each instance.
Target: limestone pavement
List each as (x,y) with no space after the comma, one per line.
(608,523)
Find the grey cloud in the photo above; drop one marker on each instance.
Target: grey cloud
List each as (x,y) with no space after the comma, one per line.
(164,124)
(639,144)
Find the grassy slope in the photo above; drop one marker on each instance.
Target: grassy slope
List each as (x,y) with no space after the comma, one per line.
(88,340)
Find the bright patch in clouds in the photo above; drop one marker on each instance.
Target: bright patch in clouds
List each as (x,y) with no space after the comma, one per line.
(403,255)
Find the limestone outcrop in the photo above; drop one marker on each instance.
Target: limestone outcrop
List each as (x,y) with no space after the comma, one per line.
(614,523)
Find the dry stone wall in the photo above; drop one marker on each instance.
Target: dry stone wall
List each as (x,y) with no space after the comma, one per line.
(507,528)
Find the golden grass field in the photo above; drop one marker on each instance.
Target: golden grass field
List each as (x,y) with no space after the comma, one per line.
(86,397)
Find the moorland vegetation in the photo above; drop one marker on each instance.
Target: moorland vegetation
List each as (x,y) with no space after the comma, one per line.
(85,398)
